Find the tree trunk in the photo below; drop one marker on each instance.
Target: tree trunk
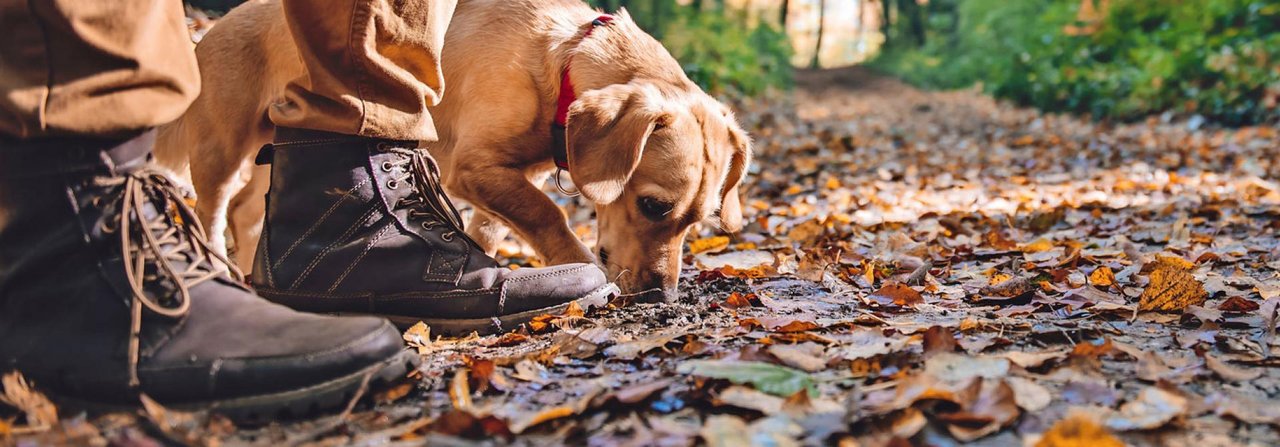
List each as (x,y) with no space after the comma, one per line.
(782,15)
(886,24)
(822,22)
(915,19)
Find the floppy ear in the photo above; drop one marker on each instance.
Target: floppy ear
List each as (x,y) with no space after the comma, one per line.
(730,204)
(606,133)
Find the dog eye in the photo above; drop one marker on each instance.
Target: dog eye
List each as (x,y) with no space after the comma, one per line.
(653,208)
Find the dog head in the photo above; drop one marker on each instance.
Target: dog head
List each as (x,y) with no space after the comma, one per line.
(655,159)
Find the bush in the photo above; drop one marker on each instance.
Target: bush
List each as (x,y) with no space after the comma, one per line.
(724,56)
(1217,58)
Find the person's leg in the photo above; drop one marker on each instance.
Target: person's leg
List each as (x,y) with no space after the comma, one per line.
(389,242)
(108,289)
(373,67)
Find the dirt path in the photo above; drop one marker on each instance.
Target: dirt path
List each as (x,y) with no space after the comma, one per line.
(927,268)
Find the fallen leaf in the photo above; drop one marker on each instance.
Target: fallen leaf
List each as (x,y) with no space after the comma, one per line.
(1153,408)
(714,243)
(803,356)
(1029,395)
(1031,360)
(1078,429)
(725,431)
(956,367)
(418,337)
(635,348)
(1229,372)
(897,294)
(1173,287)
(641,391)
(993,409)
(40,413)
(1238,304)
(938,339)
(1102,277)
(460,390)
(1244,408)
(772,379)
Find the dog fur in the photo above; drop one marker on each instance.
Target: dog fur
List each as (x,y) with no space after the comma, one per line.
(640,131)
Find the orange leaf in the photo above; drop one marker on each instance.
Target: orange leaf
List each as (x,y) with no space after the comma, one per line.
(1078,429)
(1102,276)
(1172,288)
(899,294)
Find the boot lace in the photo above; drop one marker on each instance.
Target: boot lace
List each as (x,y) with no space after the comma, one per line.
(428,204)
(153,248)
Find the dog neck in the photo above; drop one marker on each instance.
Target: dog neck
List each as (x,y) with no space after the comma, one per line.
(605,51)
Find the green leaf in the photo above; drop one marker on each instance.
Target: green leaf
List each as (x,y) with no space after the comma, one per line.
(766,377)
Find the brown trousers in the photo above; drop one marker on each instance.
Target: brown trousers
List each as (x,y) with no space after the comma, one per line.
(112,68)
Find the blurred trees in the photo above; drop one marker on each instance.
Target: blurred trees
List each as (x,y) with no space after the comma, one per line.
(1121,59)
(723,48)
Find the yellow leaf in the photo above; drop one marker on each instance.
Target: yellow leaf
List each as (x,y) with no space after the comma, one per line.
(1078,429)
(715,243)
(1102,276)
(40,412)
(1175,261)
(460,390)
(419,337)
(1038,246)
(1172,287)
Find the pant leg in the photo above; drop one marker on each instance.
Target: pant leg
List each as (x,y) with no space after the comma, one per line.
(373,66)
(93,68)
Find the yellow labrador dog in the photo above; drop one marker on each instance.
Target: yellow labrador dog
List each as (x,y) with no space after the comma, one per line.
(651,151)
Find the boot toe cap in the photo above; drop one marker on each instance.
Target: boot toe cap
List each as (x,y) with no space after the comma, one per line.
(537,288)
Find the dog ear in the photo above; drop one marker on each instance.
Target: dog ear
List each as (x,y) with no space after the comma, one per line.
(607,131)
(730,204)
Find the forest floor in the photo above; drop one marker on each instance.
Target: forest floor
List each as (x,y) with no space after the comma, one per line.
(919,268)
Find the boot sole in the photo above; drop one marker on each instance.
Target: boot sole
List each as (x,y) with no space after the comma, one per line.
(456,327)
(499,324)
(306,402)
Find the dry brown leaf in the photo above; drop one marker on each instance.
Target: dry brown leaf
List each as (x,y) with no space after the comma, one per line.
(1229,372)
(1153,408)
(418,337)
(1078,429)
(1172,288)
(897,294)
(1238,304)
(1102,277)
(460,390)
(710,244)
(40,413)
(1032,360)
(994,408)
(804,356)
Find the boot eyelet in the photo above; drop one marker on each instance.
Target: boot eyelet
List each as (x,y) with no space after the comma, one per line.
(386,166)
(382,147)
(392,184)
(428,226)
(447,237)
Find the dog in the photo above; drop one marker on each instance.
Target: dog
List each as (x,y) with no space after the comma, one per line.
(646,146)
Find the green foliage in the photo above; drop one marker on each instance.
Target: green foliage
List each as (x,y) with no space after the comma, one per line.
(722,55)
(766,377)
(1218,58)
(717,46)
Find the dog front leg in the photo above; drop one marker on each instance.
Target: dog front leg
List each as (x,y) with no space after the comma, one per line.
(500,192)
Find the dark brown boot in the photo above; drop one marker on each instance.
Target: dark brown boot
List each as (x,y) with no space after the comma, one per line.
(357,225)
(108,291)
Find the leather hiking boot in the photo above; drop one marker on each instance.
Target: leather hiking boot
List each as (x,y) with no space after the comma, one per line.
(360,225)
(108,291)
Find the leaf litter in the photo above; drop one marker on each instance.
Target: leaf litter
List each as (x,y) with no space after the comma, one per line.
(916,268)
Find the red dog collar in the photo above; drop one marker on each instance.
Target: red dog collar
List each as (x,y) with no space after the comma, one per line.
(559,145)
